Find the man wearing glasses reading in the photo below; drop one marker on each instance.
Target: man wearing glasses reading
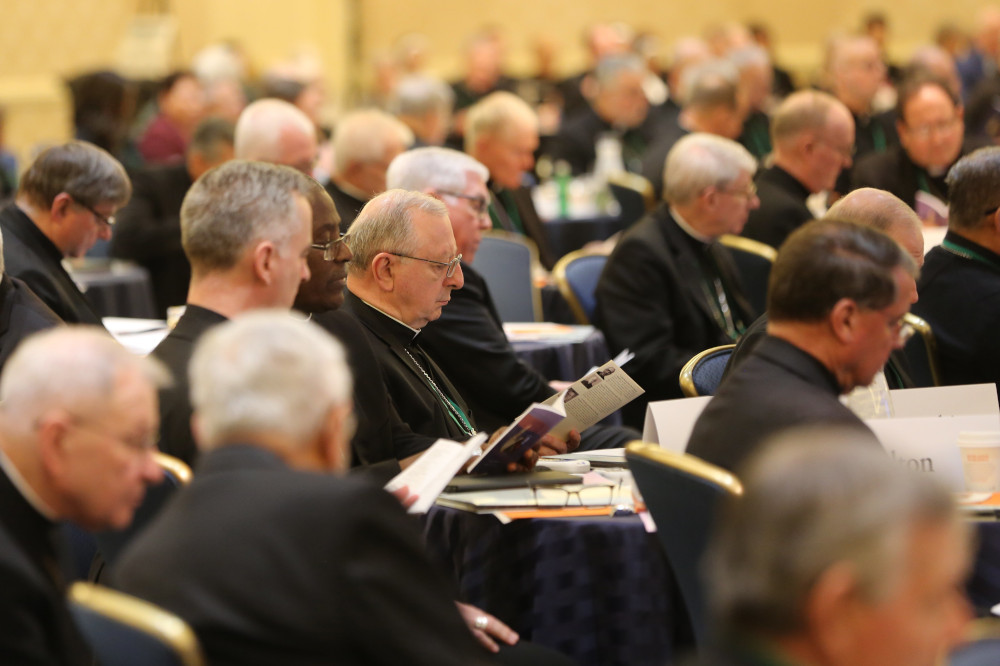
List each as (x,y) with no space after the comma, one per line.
(66,201)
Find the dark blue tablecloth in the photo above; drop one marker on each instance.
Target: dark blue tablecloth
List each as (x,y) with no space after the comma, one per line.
(566,235)
(565,361)
(596,589)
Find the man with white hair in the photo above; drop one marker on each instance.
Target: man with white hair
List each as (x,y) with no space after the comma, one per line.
(669,290)
(246,228)
(79,448)
(835,554)
(813,138)
(468,341)
(501,132)
(272,130)
(271,554)
(364,143)
(424,104)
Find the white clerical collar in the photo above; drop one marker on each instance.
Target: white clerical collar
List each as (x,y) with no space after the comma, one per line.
(25,489)
(688,229)
(416,331)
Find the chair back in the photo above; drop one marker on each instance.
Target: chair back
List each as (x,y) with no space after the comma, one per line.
(124,630)
(921,353)
(634,195)
(175,474)
(985,652)
(506,261)
(682,493)
(576,275)
(753,261)
(703,373)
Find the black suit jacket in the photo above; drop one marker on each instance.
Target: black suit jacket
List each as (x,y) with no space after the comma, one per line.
(175,352)
(21,314)
(895,172)
(271,565)
(782,207)
(469,344)
(520,198)
(381,434)
(960,299)
(411,392)
(30,256)
(651,300)
(36,628)
(148,231)
(577,139)
(778,387)
(347,205)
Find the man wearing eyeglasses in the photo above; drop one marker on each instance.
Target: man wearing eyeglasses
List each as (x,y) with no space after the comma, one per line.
(78,448)
(932,137)
(66,201)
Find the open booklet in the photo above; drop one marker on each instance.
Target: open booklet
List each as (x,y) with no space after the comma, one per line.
(434,469)
(584,403)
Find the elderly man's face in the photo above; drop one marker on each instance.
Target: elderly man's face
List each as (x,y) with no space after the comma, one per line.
(831,150)
(84,226)
(467,210)
(925,611)
(624,102)
(298,149)
(423,288)
(879,332)
(327,266)
(106,456)
(731,206)
(931,130)
(509,154)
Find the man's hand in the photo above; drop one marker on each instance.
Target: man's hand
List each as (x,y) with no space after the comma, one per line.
(485,627)
(526,463)
(405,497)
(551,446)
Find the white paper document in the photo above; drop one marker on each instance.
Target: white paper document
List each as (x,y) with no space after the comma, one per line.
(435,467)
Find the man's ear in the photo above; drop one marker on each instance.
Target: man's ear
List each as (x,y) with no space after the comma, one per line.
(60,206)
(335,437)
(384,271)
(52,445)
(843,319)
(262,258)
(832,611)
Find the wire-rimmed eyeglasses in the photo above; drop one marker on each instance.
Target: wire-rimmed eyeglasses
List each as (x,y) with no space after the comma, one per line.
(559,497)
(108,220)
(330,247)
(449,265)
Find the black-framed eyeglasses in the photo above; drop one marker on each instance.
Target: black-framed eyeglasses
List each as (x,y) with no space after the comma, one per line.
(104,219)
(330,247)
(478,203)
(991,211)
(450,265)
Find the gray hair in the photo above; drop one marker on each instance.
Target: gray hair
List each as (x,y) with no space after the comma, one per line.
(385,224)
(82,170)
(826,260)
(441,169)
(261,126)
(974,188)
(363,137)
(811,500)
(495,115)
(701,160)
(750,55)
(711,84)
(266,371)
(418,95)
(611,67)
(210,136)
(800,112)
(236,205)
(875,208)
(90,363)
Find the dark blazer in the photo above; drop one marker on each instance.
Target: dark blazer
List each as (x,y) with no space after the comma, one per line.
(520,198)
(651,300)
(381,433)
(175,352)
(782,207)
(21,314)
(469,344)
(148,232)
(777,387)
(270,565)
(36,628)
(895,172)
(30,256)
(873,135)
(577,138)
(411,392)
(960,299)
(346,204)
